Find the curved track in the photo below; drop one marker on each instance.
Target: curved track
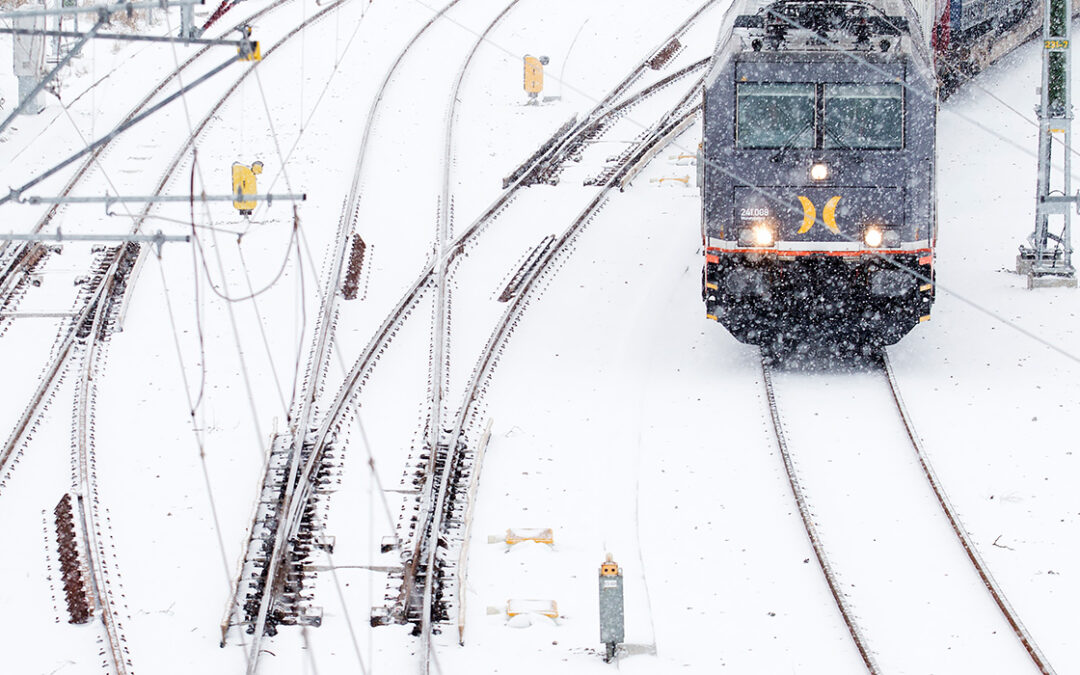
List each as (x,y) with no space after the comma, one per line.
(834,576)
(21,258)
(87,333)
(307,445)
(25,256)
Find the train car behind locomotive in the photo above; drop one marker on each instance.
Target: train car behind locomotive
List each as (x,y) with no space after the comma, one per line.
(818,178)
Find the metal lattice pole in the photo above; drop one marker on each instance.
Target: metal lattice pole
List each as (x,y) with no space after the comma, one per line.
(1048,259)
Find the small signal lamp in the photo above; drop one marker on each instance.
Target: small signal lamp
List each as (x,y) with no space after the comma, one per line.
(819,171)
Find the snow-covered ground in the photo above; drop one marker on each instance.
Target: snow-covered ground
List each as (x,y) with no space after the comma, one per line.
(622,418)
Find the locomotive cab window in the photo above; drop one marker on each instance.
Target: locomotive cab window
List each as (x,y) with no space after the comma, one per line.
(867,116)
(775,115)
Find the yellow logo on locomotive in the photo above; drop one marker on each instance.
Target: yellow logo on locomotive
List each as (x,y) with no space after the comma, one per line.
(828,214)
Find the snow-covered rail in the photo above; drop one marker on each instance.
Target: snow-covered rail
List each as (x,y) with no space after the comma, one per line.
(287,487)
(872,510)
(86,489)
(314,442)
(18,261)
(962,535)
(434,494)
(454,454)
(811,529)
(86,333)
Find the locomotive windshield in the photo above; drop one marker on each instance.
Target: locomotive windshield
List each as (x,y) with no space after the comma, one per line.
(784,115)
(775,115)
(864,116)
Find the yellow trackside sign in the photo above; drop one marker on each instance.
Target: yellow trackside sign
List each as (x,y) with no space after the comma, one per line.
(828,214)
(243,183)
(534,75)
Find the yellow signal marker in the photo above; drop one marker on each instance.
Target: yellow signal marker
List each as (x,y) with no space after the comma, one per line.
(534,75)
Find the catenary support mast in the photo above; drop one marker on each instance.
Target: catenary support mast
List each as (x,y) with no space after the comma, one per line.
(1047,261)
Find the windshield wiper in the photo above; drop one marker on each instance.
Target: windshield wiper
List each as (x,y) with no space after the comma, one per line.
(790,142)
(839,138)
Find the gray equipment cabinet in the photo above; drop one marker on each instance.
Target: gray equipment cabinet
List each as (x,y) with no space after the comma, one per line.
(611,606)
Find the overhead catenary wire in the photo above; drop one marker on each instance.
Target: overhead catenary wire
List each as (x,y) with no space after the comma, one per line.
(211,227)
(195,427)
(15,193)
(223,294)
(259,319)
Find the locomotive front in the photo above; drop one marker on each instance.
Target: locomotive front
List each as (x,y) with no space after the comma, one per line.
(817,174)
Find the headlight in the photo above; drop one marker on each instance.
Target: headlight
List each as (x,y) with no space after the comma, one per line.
(878,235)
(819,171)
(760,233)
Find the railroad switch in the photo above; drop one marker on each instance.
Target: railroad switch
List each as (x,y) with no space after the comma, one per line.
(612,631)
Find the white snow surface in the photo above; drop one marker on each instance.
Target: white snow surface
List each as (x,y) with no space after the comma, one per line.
(621,417)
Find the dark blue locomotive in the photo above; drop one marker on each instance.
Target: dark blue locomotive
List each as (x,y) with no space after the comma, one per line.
(818,208)
(818,162)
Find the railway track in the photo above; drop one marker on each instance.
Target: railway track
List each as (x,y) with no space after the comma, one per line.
(281,526)
(81,520)
(272,546)
(17,262)
(20,261)
(448,467)
(106,588)
(882,560)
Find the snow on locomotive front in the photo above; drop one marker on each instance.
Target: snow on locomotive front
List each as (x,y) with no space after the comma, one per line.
(817,173)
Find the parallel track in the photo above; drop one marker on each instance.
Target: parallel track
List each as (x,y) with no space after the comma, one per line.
(451,457)
(28,254)
(24,255)
(857,636)
(95,314)
(882,362)
(425,547)
(962,535)
(304,465)
(86,488)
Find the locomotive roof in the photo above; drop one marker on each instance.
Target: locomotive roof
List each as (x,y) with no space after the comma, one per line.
(864,26)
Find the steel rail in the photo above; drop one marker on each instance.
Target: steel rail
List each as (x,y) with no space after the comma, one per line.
(97,298)
(295,503)
(87,484)
(20,257)
(45,383)
(196,132)
(610,106)
(496,340)
(350,386)
(811,529)
(977,562)
(433,516)
(388,327)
